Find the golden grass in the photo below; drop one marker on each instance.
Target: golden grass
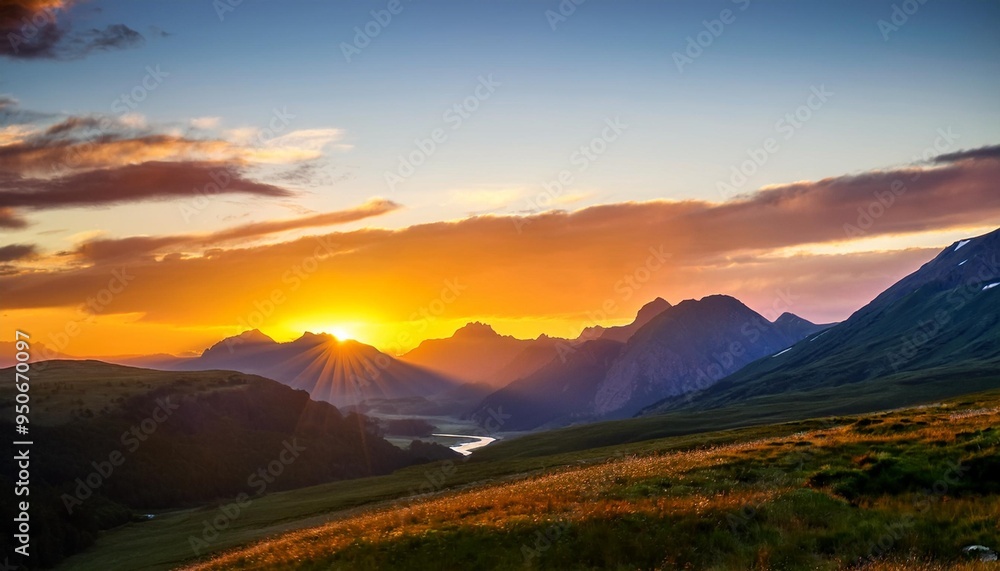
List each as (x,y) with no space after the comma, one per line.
(594,492)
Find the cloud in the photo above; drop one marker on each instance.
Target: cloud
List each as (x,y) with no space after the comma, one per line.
(107,249)
(47,147)
(10,219)
(16,252)
(555,265)
(91,160)
(205,122)
(146,181)
(31,29)
(989,152)
(115,36)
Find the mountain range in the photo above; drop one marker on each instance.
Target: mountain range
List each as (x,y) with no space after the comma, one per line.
(339,372)
(674,351)
(935,333)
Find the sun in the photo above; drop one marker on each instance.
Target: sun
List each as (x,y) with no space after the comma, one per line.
(341,331)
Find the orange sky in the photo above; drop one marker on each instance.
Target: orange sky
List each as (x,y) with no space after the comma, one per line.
(780,249)
(820,249)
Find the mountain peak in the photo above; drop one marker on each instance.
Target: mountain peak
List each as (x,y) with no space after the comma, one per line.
(475,329)
(248,337)
(652,309)
(254,336)
(790,318)
(310,337)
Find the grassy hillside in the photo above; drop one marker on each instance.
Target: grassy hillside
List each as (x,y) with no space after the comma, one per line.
(803,494)
(905,489)
(113,443)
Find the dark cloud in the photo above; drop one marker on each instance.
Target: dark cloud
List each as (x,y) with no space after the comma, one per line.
(130,183)
(140,246)
(113,37)
(10,219)
(75,124)
(16,252)
(31,29)
(989,152)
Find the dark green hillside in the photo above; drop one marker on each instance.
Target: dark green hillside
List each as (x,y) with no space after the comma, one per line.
(114,442)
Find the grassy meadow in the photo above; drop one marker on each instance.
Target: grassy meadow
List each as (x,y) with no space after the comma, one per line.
(905,489)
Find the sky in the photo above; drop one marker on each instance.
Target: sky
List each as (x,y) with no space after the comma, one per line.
(175,172)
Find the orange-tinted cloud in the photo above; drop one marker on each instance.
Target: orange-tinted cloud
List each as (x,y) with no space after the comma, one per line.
(109,250)
(10,219)
(47,156)
(555,268)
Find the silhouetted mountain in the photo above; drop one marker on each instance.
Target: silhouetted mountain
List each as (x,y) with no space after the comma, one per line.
(538,353)
(39,352)
(558,393)
(623,333)
(338,372)
(794,327)
(684,348)
(475,353)
(679,349)
(933,334)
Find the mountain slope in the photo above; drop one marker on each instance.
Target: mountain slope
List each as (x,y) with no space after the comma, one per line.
(794,327)
(180,438)
(623,333)
(939,324)
(339,372)
(686,347)
(679,349)
(559,393)
(475,353)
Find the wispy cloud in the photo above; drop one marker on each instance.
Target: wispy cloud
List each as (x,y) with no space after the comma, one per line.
(560,263)
(107,249)
(132,183)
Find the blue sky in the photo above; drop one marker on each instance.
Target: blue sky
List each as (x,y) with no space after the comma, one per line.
(601,109)
(686,129)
